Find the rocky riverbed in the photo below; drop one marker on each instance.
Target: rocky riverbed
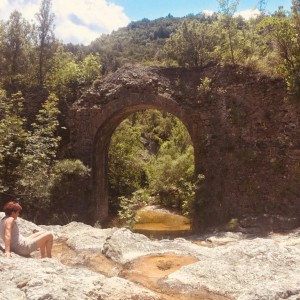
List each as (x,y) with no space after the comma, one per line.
(115,263)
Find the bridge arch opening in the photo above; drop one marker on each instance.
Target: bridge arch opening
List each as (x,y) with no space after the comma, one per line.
(104,165)
(151,162)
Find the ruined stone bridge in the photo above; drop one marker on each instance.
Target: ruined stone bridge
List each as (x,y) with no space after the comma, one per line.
(244,129)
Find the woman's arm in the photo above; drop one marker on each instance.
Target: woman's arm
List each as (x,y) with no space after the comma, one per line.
(7,235)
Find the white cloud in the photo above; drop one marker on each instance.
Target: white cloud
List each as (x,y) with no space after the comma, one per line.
(248,13)
(208,12)
(3,4)
(76,21)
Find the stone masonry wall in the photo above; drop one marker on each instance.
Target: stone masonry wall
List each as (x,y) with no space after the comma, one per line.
(244,128)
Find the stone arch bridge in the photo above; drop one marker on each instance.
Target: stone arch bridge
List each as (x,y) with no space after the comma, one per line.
(244,129)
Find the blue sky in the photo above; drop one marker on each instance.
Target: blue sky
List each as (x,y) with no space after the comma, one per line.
(82,21)
(153,9)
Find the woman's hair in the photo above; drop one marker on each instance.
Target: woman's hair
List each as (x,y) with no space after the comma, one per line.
(11,206)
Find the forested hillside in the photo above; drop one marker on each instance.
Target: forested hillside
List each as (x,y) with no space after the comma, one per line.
(267,42)
(40,78)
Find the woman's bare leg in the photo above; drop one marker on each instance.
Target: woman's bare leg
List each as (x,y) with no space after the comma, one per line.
(44,241)
(36,234)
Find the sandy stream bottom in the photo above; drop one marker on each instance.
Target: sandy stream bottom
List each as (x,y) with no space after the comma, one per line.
(145,271)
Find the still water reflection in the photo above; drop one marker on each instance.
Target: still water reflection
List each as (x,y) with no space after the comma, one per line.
(159,223)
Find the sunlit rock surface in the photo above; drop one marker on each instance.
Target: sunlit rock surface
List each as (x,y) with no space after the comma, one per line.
(234,265)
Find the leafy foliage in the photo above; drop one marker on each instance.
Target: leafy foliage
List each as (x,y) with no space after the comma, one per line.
(68,177)
(67,78)
(191,45)
(45,38)
(12,140)
(282,35)
(39,152)
(138,42)
(152,151)
(63,77)
(126,160)
(129,205)
(29,169)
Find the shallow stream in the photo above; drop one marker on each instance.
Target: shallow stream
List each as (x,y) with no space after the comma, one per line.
(160,223)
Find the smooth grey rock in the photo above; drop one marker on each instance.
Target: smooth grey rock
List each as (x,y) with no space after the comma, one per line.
(32,279)
(238,266)
(35,279)
(250,269)
(81,237)
(124,246)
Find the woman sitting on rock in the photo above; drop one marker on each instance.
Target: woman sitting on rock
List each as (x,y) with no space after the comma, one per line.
(15,242)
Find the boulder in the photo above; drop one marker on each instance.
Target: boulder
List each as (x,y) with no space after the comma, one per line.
(33,279)
(233,265)
(124,246)
(250,269)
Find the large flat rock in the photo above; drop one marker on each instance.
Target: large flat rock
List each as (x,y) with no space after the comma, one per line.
(229,264)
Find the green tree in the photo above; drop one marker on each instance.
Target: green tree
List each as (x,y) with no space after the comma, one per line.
(91,69)
(191,45)
(63,79)
(139,42)
(152,151)
(171,173)
(128,209)
(68,78)
(39,155)
(282,34)
(229,25)
(67,191)
(261,5)
(12,140)
(125,160)
(17,34)
(155,126)
(295,85)
(45,38)
(296,13)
